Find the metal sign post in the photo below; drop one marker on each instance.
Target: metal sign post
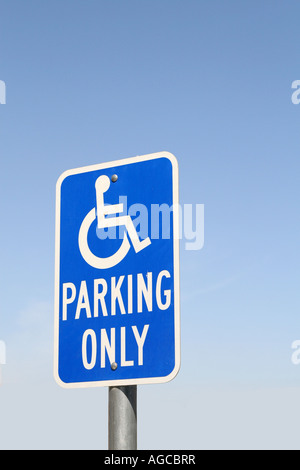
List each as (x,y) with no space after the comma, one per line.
(122,418)
(117,312)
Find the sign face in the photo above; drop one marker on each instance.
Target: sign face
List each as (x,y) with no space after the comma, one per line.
(117,273)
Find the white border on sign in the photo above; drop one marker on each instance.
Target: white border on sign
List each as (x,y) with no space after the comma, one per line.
(102,166)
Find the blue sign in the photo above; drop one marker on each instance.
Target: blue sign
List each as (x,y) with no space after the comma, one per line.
(117,273)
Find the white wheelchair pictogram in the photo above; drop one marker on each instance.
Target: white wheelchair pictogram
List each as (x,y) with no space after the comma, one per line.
(102,185)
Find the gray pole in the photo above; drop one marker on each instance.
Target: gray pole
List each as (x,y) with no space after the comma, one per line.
(122,418)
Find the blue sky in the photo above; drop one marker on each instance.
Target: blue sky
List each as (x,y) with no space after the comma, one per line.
(94,81)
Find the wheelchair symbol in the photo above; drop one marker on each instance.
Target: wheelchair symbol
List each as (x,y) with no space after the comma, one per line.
(102,185)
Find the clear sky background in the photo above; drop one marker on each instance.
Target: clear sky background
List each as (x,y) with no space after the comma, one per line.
(210,81)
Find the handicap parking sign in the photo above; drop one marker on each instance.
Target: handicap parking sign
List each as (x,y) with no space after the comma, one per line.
(117,273)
